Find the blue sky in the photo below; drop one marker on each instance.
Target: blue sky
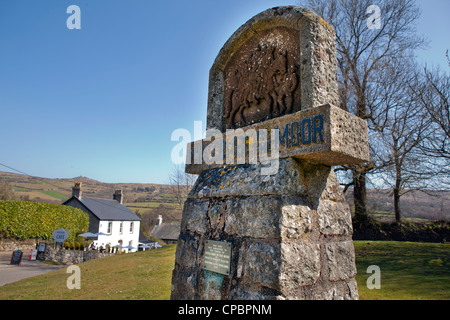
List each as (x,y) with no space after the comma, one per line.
(103,101)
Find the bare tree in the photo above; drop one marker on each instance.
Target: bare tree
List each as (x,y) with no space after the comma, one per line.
(448,58)
(433,94)
(362,54)
(405,167)
(181,183)
(6,191)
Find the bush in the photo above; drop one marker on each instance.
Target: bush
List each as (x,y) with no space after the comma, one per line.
(25,219)
(405,231)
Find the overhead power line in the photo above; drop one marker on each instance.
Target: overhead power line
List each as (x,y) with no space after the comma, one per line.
(59,187)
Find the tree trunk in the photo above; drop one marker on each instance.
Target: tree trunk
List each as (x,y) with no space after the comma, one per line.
(359,174)
(398,180)
(398,177)
(397,205)
(359,194)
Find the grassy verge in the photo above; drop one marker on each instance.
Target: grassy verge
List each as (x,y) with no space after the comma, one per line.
(134,276)
(409,271)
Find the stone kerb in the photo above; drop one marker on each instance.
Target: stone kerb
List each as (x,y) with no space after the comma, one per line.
(311,50)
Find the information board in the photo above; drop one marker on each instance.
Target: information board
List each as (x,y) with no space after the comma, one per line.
(217,256)
(41,251)
(16,257)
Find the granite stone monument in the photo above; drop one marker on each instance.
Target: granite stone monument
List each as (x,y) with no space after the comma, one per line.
(287,234)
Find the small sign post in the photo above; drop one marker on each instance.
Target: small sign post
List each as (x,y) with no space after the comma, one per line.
(60,235)
(217,257)
(33,255)
(41,251)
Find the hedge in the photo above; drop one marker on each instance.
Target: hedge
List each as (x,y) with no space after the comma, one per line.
(25,219)
(370,229)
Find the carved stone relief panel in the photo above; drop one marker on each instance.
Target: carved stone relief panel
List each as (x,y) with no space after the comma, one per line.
(262,79)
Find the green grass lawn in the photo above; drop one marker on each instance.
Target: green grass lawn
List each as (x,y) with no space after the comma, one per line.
(408,271)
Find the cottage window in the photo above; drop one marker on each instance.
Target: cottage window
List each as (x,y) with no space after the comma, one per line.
(109,227)
(131,227)
(121,228)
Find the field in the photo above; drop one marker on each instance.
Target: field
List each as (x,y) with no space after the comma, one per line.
(416,206)
(409,271)
(148,205)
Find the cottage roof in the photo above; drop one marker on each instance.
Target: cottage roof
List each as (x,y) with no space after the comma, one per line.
(107,209)
(142,237)
(166,231)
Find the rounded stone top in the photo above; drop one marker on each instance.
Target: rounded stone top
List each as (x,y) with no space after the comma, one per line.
(292,17)
(279,62)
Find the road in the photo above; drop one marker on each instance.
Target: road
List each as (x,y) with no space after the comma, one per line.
(12,273)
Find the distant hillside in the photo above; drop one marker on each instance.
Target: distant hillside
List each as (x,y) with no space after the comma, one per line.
(153,199)
(56,190)
(415,206)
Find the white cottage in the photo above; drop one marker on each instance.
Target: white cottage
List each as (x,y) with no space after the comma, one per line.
(108,216)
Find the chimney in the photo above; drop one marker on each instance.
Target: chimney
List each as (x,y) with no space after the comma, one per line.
(76,190)
(118,196)
(159,220)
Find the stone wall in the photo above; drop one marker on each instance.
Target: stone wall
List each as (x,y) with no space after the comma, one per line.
(12,244)
(72,256)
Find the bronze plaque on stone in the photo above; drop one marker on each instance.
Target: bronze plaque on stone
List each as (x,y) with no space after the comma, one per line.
(217,257)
